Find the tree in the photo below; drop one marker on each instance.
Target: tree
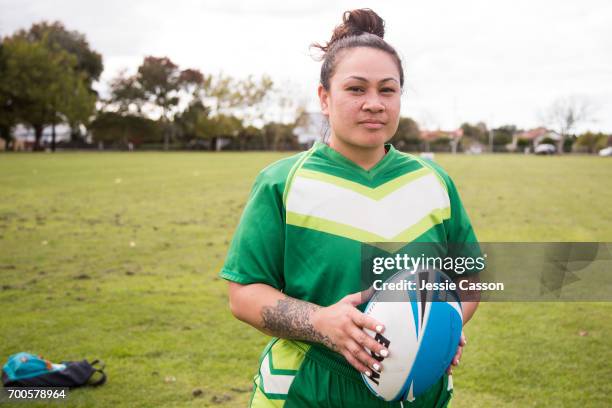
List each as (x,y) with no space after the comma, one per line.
(8,118)
(122,129)
(592,142)
(125,94)
(221,125)
(56,36)
(243,98)
(158,83)
(285,110)
(250,94)
(249,134)
(217,106)
(78,108)
(281,135)
(39,84)
(88,66)
(565,114)
(407,136)
(161,82)
(196,123)
(233,107)
(189,121)
(504,135)
(478,132)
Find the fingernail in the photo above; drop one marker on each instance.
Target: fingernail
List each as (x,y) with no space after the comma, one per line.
(369,374)
(379,328)
(384,353)
(376,367)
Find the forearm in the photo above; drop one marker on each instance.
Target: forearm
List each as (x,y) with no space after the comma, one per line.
(276,314)
(339,327)
(469,308)
(469,299)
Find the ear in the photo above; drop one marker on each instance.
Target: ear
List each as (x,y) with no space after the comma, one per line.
(323,99)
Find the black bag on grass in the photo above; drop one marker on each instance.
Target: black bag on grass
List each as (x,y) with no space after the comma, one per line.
(29,370)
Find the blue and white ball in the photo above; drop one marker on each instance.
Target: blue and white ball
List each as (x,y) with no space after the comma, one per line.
(422,332)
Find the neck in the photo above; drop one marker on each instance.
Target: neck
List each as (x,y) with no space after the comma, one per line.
(365,157)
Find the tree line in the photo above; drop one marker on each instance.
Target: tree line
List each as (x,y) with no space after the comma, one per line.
(47,74)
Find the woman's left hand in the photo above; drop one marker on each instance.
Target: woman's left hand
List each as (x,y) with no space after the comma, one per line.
(455,361)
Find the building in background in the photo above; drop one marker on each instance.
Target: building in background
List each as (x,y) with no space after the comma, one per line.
(311,126)
(530,139)
(441,140)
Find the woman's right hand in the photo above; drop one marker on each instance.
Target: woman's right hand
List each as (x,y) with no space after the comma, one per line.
(342,324)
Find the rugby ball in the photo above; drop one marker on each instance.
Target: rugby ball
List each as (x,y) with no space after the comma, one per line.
(422,332)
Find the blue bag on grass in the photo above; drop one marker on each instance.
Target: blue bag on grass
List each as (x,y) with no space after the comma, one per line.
(28,370)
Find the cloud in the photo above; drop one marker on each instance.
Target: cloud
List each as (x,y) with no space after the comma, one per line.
(471,60)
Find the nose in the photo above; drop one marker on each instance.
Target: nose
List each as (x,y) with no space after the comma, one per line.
(373,104)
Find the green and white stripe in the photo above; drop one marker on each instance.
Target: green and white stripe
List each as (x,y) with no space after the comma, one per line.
(399,210)
(279,365)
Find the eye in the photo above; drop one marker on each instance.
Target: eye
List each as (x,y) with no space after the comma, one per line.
(388,90)
(357,89)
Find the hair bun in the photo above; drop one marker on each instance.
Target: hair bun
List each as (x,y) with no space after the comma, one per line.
(363,21)
(354,23)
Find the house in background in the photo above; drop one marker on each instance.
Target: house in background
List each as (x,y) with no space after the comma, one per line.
(310,128)
(441,140)
(533,138)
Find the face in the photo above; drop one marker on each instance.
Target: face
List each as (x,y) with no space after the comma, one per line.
(363,100)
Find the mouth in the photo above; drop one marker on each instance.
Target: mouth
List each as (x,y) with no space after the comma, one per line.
(372,124)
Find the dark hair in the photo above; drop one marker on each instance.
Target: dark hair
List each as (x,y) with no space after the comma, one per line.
(359,28)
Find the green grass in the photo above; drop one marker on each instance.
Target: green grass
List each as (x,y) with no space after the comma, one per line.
(115,255)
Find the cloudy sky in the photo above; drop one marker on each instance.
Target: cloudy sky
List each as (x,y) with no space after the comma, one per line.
(497,61)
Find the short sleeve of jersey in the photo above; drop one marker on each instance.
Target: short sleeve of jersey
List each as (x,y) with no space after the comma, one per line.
(460,228)
(256,251)
(461,239)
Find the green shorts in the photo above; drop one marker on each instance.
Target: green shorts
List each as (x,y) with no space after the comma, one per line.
(296,374)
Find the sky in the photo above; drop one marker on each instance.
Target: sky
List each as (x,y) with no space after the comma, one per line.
(496,61)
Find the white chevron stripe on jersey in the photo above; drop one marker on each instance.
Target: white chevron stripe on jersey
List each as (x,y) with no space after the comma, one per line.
(274,383)
(386,217)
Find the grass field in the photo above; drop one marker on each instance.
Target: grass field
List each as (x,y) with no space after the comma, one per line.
(115,255)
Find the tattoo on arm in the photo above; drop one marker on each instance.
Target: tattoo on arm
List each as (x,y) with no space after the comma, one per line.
(290,319)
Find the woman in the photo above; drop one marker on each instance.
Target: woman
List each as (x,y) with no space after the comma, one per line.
(294,262)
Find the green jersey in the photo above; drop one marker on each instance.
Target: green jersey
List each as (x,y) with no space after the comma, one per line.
(308,215)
